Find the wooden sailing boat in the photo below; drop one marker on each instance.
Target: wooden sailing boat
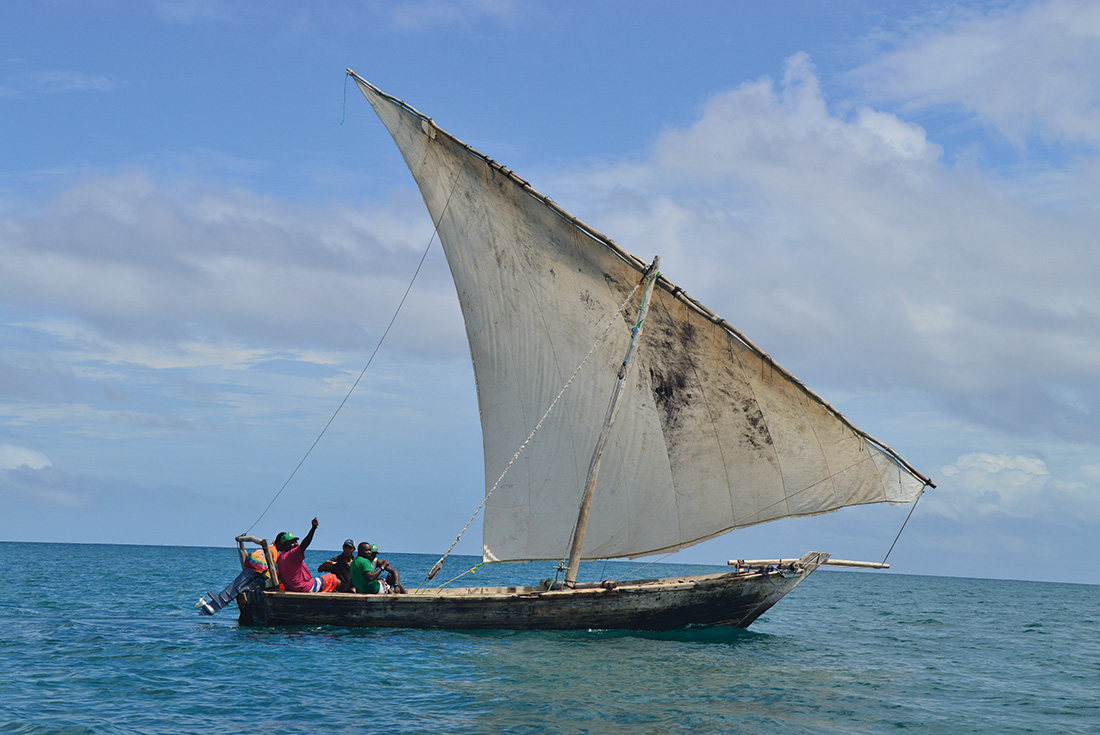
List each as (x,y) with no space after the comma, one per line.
(677,430)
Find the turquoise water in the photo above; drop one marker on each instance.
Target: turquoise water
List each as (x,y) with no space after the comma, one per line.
(104,639)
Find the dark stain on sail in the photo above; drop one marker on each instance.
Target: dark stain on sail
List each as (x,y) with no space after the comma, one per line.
(671,376)
(616,287)
(591,303)
(678,385)
(734,404)
(756,433)
(669,391)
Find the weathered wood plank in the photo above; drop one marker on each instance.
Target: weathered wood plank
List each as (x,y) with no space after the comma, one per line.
(731,599)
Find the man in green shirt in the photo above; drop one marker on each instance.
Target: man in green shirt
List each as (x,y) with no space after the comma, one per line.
(365,576)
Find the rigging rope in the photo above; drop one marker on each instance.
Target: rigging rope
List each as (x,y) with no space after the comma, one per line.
(471,570)
(903,526)
(435,231)
(344,114)
(611,322)
(638,569)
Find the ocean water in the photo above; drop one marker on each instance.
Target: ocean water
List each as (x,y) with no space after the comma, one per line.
(104,639)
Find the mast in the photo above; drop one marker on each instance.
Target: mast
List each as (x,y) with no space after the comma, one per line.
(612,410)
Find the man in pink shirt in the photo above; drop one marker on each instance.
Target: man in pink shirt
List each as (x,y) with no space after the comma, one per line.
(293,572)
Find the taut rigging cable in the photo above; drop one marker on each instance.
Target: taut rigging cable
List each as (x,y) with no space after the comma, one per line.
(435,231)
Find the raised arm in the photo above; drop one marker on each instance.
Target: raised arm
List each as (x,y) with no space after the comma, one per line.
(309,536)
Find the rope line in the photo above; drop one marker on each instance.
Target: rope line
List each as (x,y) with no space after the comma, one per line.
(611,322)
(344,114)
(634,571)
(903,526)
(471,570)
(435,231)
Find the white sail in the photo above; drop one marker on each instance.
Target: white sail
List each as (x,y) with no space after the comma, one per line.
(711,435)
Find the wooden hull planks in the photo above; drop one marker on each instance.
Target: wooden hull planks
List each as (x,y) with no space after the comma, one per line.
(733,599)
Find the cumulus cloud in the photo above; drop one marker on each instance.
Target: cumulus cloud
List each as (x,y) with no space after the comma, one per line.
(845,245)
(836,237)
(27,476)
(48,488)
(1027,70)
(12,457)
(132,269)
(47,503)
(134,305)
(1001,485)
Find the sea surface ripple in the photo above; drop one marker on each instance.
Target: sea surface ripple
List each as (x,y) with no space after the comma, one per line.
(104,639)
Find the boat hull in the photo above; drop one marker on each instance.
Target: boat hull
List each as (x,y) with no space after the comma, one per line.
(733,599)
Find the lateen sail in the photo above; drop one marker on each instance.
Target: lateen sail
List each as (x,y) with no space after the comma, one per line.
(711,436)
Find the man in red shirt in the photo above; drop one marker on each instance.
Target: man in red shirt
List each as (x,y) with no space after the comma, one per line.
(293,572)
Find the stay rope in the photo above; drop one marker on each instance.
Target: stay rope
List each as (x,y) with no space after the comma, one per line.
(471,570)
(638,569)
(903,526)
(611,322)
(423,257)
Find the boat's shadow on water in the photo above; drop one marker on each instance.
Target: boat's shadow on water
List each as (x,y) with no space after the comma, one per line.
(735,636)
(715,635)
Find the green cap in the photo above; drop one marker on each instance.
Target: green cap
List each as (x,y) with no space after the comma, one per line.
(285,536)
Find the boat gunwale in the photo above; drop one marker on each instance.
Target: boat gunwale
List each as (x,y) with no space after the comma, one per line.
(526,591)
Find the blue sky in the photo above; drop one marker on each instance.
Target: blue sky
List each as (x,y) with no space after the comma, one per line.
(204,231)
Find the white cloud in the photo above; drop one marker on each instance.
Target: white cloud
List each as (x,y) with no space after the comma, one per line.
(992,485)
(1029,69)
(994,464)
(16,80)
(846,246)
(907,140)
(163,274)
(59,81)
(13,457)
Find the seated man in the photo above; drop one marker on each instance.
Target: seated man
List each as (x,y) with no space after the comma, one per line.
(341,566)
(257,560)
(367,569)
(293,571)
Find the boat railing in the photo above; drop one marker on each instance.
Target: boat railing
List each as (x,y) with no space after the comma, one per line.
(740,564)
(273,571)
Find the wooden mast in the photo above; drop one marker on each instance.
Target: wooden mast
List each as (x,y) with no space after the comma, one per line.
(613,409)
